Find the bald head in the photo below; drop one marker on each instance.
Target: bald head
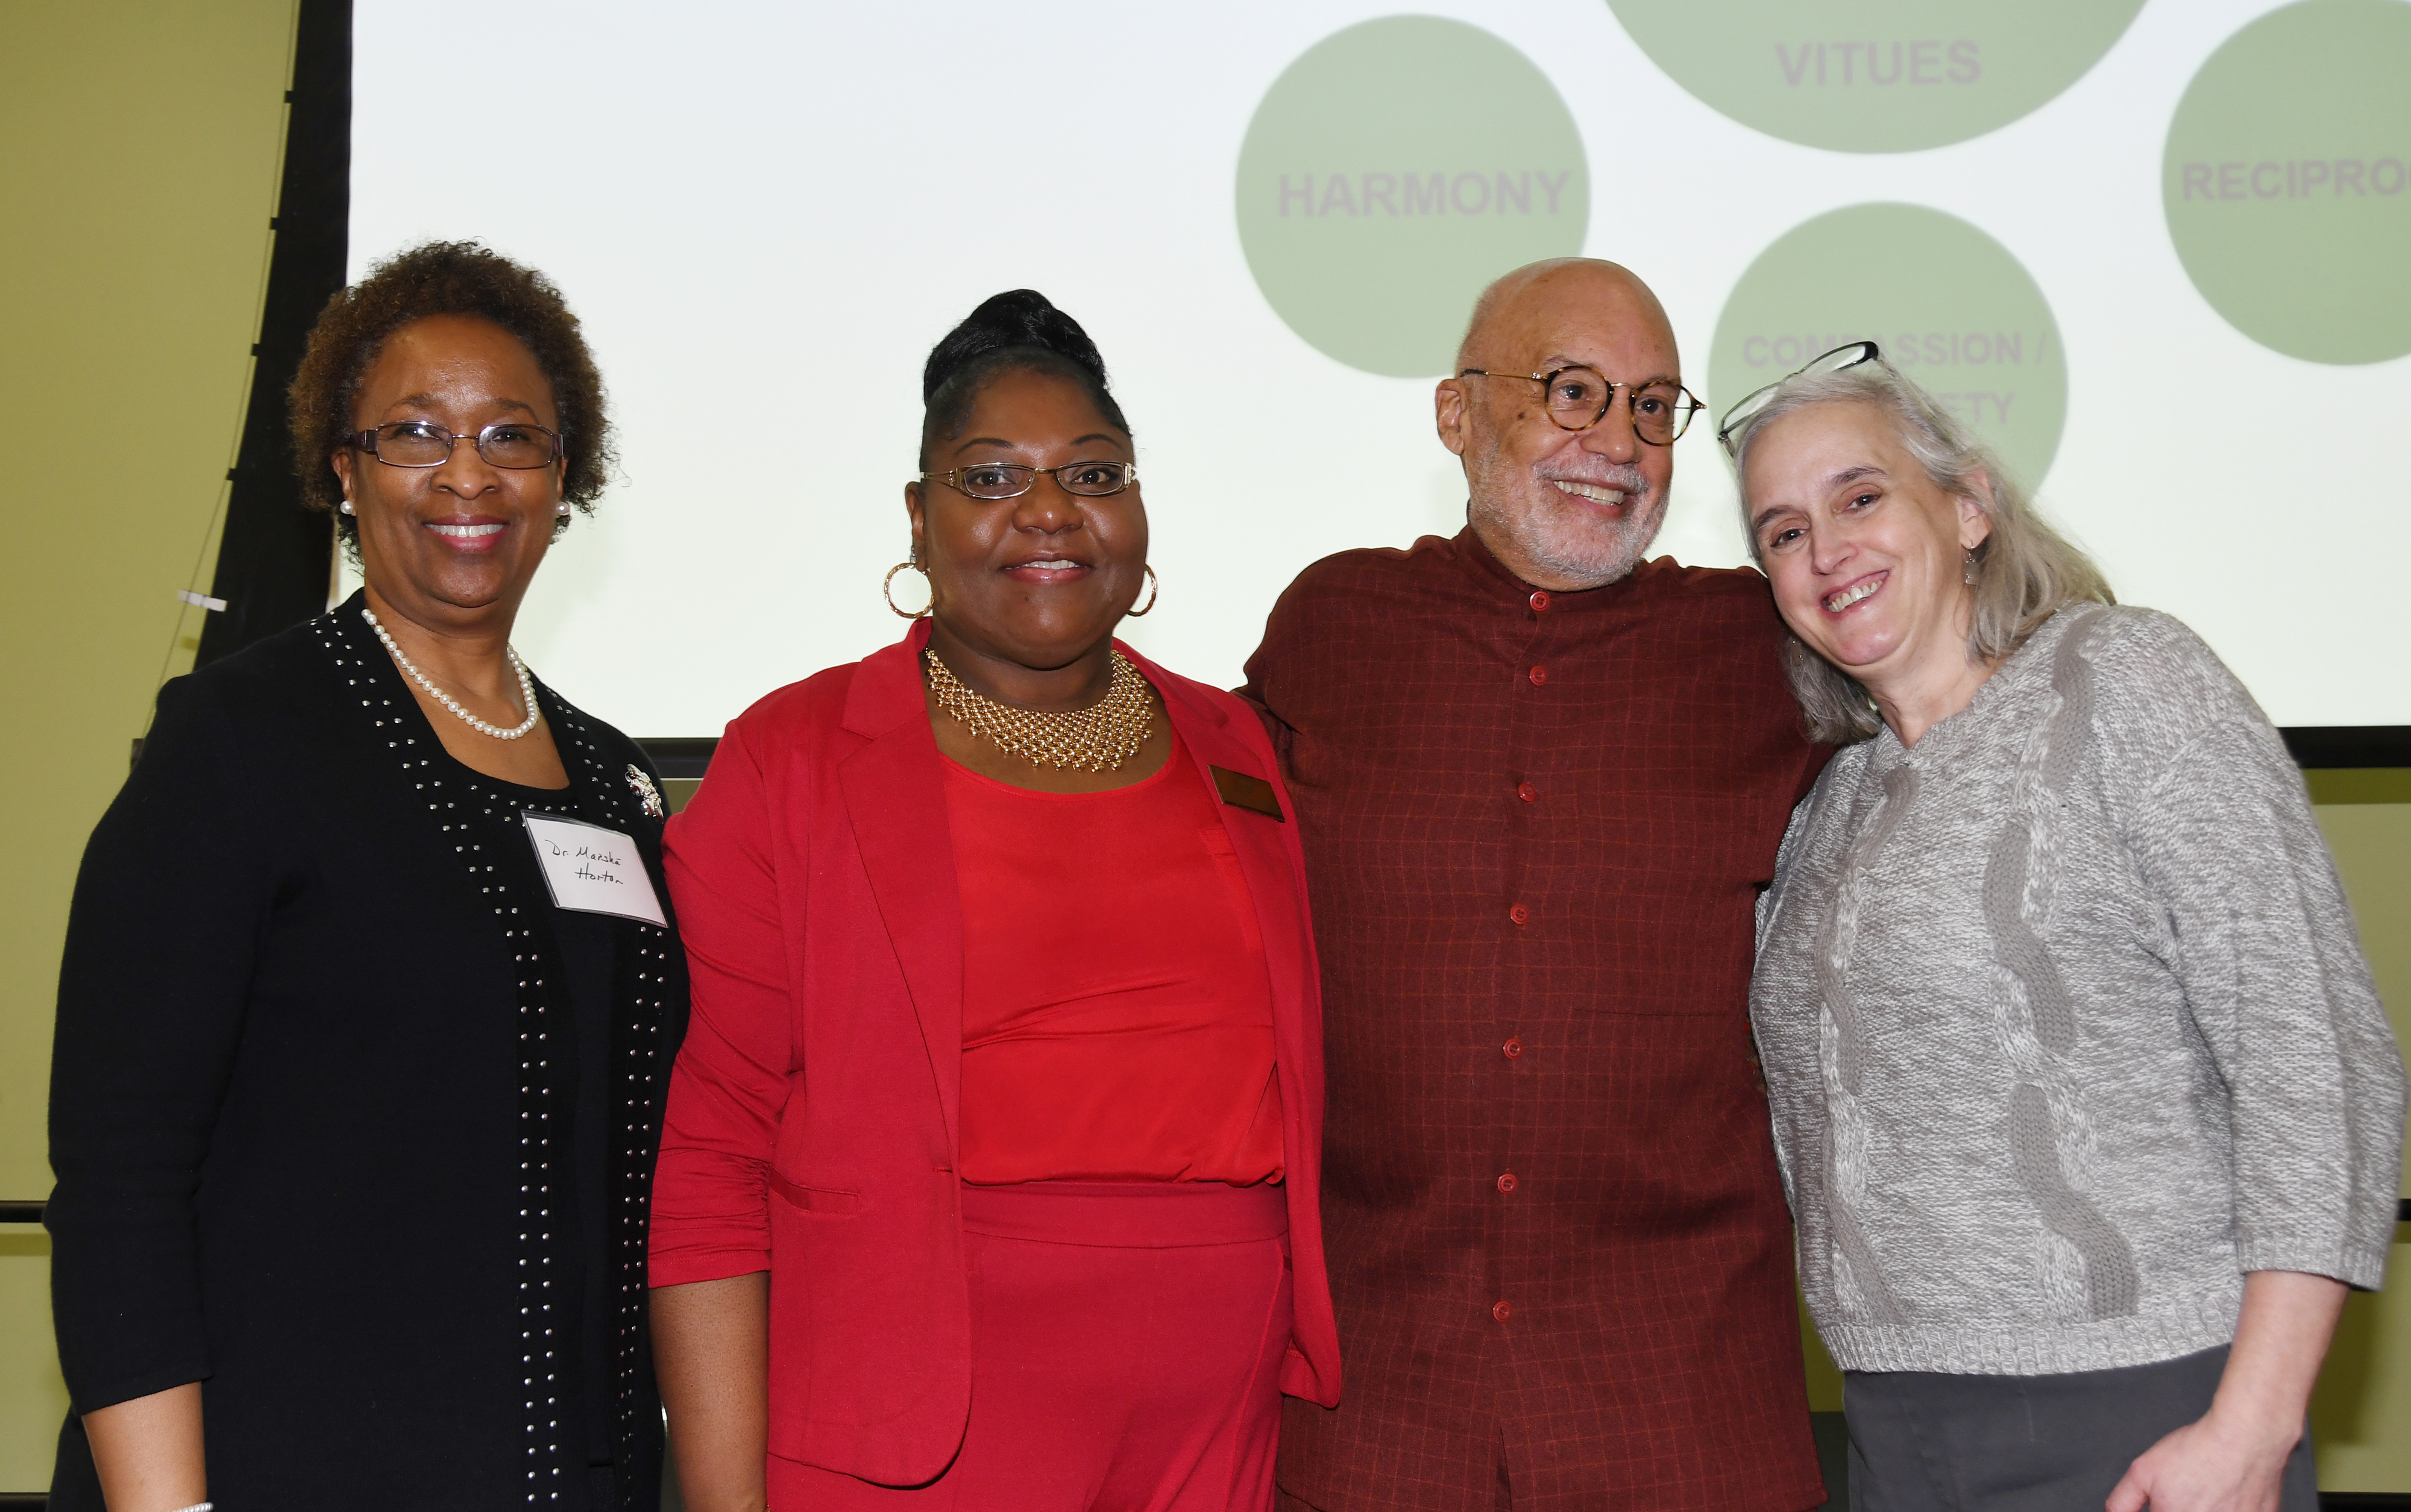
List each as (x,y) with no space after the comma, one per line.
(1537,294)
(1561,509)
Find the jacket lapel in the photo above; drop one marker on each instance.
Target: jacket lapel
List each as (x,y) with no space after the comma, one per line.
(1262,845)
(895,795)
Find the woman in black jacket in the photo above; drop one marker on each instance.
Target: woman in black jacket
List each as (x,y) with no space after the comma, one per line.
(369,993)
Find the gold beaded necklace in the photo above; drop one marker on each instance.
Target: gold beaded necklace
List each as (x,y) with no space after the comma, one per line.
(1098,738)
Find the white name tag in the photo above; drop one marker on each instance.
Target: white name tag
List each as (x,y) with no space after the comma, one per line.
(592,869)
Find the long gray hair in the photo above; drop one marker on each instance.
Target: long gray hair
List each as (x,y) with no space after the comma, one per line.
(2024,571)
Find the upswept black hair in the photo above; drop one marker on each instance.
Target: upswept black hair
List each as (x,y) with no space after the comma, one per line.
(1018,331)
(444,278)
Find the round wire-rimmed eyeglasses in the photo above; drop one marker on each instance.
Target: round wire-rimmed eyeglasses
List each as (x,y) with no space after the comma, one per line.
(1011,480)
(508,444)
(1849,355)
(1579,398)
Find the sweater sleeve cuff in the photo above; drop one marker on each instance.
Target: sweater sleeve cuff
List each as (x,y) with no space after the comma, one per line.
(2361,1267)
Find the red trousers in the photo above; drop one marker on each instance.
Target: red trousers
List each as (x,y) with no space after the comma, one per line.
(1126,1348)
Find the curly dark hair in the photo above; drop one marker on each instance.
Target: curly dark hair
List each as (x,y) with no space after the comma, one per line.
(444,278)
(1018,331)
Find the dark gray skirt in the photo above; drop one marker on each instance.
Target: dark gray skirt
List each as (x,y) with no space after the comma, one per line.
(1924,1441)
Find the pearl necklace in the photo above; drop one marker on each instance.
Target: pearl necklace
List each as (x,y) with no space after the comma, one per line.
(1098,738)
(527,686)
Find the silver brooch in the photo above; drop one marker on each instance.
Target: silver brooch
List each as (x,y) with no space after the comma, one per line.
(645,790)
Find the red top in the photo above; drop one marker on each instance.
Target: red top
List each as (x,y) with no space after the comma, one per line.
(1535,830)
(1118,1023)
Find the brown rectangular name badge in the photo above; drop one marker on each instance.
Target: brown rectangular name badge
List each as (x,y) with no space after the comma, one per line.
(1253,794)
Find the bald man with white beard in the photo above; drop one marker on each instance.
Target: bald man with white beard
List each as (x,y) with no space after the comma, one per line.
(1541,783)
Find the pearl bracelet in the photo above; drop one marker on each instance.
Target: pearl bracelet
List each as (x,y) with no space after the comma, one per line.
(198,1507)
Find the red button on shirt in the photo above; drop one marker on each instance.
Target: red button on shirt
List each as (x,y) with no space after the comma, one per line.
(1506,1180)
(1526,792)
(1512,1049)
(1520,914)
(1540,676)
(1540,599)
(1501,1310)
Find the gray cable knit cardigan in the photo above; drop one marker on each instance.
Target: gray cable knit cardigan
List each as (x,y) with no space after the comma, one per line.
(2065,1023)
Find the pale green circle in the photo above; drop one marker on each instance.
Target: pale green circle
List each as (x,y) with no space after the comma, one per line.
(1393,170)
(1947,304)
(2287,181)
(1875,76)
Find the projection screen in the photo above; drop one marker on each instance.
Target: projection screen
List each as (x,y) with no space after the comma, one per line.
(2154,252)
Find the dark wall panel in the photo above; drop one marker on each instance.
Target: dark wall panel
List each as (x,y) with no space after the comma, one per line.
(275,556)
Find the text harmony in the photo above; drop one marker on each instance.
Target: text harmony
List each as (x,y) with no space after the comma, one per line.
(1379,193)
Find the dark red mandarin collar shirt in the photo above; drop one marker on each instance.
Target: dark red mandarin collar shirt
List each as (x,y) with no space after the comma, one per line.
(1536,826)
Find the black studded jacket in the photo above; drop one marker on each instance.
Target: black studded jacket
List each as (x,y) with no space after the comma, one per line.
(315,1106)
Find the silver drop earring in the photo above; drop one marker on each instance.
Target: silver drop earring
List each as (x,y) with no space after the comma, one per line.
(1967,567)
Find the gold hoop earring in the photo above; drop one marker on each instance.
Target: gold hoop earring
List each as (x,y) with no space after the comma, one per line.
(1154,591)
(888,592)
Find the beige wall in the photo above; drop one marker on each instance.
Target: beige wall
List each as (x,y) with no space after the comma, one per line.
(142,147)
(2362,1416)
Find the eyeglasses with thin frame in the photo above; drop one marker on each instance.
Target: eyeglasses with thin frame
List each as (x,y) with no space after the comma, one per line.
(1579,398)
(1848,355)
(1011,480)
(508,444)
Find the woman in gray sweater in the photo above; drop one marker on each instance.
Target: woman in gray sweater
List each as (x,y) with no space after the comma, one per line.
(2087,1109)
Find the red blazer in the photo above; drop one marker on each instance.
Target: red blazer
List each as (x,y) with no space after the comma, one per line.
(814,1110)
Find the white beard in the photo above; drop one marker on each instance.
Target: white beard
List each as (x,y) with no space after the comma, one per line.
(1556,536)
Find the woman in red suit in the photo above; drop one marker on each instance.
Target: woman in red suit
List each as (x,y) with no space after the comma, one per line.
(989,1173)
